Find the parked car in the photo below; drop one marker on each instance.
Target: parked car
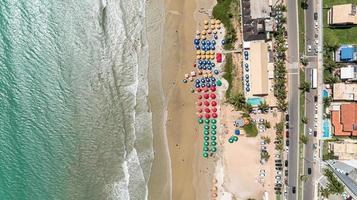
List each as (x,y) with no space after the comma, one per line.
(315,16)
(286,163)
(287,142)
(287,117)
(287,134)
(309,171)
(314,146)
(310,131)
(309,48)
(315,133)
(294,189)
(286,172)
(315,98)
(287,125)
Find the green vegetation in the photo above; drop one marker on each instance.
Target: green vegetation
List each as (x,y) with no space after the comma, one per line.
(304,139)
(327,102)
(333,186)
(251,129)
(264,107)
(279,129)
(301,133)
(238,101)
(224,12)
(266,139)
(264,155)
(228,76)
(304,120)
(338,36)
(301,15)
(267,124)
(330,65)
(326,153)
(305,86)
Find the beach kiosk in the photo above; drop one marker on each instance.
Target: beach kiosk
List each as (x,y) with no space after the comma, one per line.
(219,57)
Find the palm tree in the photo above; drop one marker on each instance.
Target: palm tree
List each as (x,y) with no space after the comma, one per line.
(248,108)
(267,124)
(304,139)
(263,106)
(324,192)
(327,102)
(304,120)
(264,155)
(305,86)
(238,101)
(266,139)
(304,61)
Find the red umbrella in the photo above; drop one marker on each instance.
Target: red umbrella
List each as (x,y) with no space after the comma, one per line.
(214,115)
(199,110)
(207,110)
(199,97)
(199,90)
(206,96)
(214,109)
(206,103)
(213,96)
(194,64)
(213,103)
(207,116)
(200,115)
(213,88)
(199,103)
(205,89)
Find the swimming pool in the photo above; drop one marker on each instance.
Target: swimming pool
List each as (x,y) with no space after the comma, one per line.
(255,101)
(326,128)
(324,93)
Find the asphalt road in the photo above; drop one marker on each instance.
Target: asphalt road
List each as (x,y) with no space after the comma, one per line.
(310,111)
(293,98)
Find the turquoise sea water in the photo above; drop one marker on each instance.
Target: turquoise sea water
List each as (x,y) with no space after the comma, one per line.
(72,109)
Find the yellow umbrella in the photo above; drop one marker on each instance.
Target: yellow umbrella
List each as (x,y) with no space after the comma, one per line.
(211,52)
(218,21)
(218,26)
(198,52)
(205,22)
(212,57)
(213,27)
(203,52)
(198,57)
(203,32)
(203,37)
(205,27)
(207,56)
(210,75)
(213,21)
(198,32)
(205,75)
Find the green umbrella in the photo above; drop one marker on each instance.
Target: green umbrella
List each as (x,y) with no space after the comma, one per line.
(206,127)
(206,138)
(200,121)
(219,82)
(230,140)
(213,143)
(213,121)
(235,138)
(213,149)
(205,154)
(205,132)
(207,121)
(213,126)
(205,148)
(205,144)
(213,137)
(213,132)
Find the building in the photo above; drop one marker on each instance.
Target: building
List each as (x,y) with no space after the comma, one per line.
(344,120)
(349,73)
(342,15)
(344,150)
(345,173)
(258,68)
(346,53)
(344,92)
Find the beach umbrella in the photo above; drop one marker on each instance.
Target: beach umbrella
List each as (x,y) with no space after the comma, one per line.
(199,110)
(213,121)
(208,84)
(203,42)
(205,132)
(213,84)
(205,22)
(206,127)
(237,132)
(196,41)
(218,21)
(223,42)
(213,132)
(213,149)
(218,27)
(206,144)
(206,96)
(206,27)
(197,47)
(209,31)
(211,57)
(213,96)
(205,89)
(205,148)
(215,36)
(213,27)
(203,34)
(214,109)
(199,97)
(216,71)
(198,52)
(199,89)
(184,80)
(200,116)
(199,103)
(213,137)
(207,110)
(205,155)
(230,140)
(206,103)
(207,121)
(207,116)
(198,57)
(212,88)
(213,21)
(235,138)
(203,37)
(198,32)
(213,103)
(213,143)
(213,79)
(215,32)
(219,82)
(208,42)
(200,121)
(206,137)
(213,126)
(214,115)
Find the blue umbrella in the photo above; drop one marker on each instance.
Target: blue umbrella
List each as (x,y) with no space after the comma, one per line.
(199,67)
(197,85)
(208,42)
(213,41)
(204,67)
(213,79)
(200,62)
(215,37)
(196,41)
(213,48)
(223,42)
(209,68)
(203,42)
(197,80)
(212,64)
(197,47)
(237,132)
(208,84)
(216,71)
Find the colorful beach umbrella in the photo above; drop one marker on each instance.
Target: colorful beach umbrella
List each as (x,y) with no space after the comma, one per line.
(213,143)
(199,110)
(205,155)
(199,90)
(205,132)
(213,149)
(213,121)
(214,127)
(207,116)
(214,115)
(213,88)
(214,109)
(206,103)
(199,97)
(219,82)
(200,121)
(199,103)
(199,115)
(206,96)
(206,144)
(213,137)
(213,96)
(213,132)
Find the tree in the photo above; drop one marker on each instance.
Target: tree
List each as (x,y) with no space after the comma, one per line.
(264,155)
(267,124)
(304,177)
(304,4)
(282,105)
(238,101)
(304,120)
(304,61)
(263,106)
(279,127)
(304,139)
(327,102)
(305,86)
(266,139)
(324,192)
(279,146)
(334,186)
(248,108)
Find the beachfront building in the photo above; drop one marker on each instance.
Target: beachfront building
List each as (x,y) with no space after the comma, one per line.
(346,53)
(344,150)
(259,68)
(344,119)
(342,15)
(344,92)
(349,73)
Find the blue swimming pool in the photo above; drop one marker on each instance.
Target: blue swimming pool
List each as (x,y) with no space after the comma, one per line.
(255,101)
(324,93)
(326,128)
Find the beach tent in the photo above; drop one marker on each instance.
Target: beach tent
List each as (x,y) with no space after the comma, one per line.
(219,57)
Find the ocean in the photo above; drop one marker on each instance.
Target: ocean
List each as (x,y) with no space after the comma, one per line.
(75,122)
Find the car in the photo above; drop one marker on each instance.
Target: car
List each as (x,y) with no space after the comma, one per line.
(309,48)
(278,172)
(316,42)
(278,185)
(315,98)
(277,156)
(310,131)
(315,16)
(287,117)
(316,25)
(315,133)
(262,142)
(262,174)
(278,165)
(286,163)
(278,168)
(309,171)
(287,125)
(293,189)
(287,142)
(263,148)
(277,181)
(286,172)
(277,177)
(246,65)
(316,51)
(246,53)
(287,134)
(278,161)
(314,146)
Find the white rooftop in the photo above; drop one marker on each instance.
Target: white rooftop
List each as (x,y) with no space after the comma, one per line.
(347,72)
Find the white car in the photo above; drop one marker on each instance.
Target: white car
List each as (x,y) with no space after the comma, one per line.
(316,42)
(316,25)
(278,172)
(310,131)
(309,48)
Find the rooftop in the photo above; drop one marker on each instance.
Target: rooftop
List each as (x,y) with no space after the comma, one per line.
(259,68)
(344,120)
(344,92)
(344,14)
